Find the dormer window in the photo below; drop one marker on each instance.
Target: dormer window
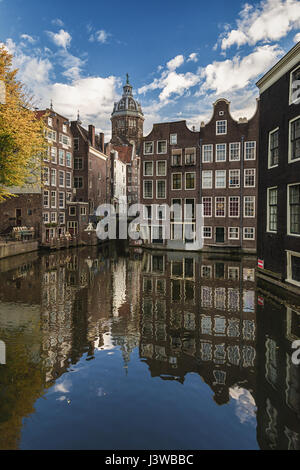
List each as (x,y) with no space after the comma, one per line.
(221,127)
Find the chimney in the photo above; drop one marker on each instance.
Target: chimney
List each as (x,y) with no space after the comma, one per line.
(92,135)
(101,142)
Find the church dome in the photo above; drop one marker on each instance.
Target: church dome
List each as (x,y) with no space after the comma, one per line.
(127,104)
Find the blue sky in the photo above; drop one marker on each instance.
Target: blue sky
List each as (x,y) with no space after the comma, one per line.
(181,56)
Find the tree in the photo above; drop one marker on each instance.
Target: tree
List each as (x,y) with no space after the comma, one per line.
(22,142)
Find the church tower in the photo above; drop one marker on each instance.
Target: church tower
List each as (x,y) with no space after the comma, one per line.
(127,119)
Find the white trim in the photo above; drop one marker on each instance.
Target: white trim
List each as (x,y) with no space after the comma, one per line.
(171,143)
(211,177)
(211,207)
(225,179)
(239,207)
(220,216)
(149,142)
(216,153)
(288,211)
(161,161)
(249,216)
(269,148)
(229,178)
(221,133)
(290,85)
(212,153)
(289,267)
(195,183)
(161,153)
(232,159)
(144,164)
(290,146)
(268,209)
(244,230)
(147,181)
(234,238)
(156,188)
(176,189)
(245,147)
(211,232)
(250,169)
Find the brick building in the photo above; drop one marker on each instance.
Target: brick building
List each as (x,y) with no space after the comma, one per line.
(216,167)
(279,172)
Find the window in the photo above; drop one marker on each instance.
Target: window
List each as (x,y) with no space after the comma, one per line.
(78,182)
(162,146)
(176,181)
(234,206)
(190,180)
(249,206)
(220,178)
(207,206)
(207,232)
(53,154)
(76,143)
(46,217)
(249,233)
(234,151)
(53,199)
(53,177)
(250,150)
(61,156)
(78,163)
(46,198)
(189,209)
(207,153)
(46,175)
(233,233)
(68,159)
(294,209)
(272,210)
(50,122)
(161,212)
(161,189)
(173,139)
(221,127)
(221,153)
(295,86)
(148,212)
(148,168)
(53,217)
(293,267)
(61,176)
(190,156)
(148,148)
(249,178)
(64,139)
(69,197)
(176,157)
(273,148)
(82,210)
(234,178)
(207,179)
(61,200)
(220,208)
(68,180)
(72,211)
(176,213)
(148,189)
(161,168)
(61,218)
(294,144)
(51,135)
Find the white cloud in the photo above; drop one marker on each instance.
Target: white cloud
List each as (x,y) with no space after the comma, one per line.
(57,22)
(297,37)
(229,75)
(271,20)
(61,39)
(99,36)
(173,64)
(27,37)
(193,57)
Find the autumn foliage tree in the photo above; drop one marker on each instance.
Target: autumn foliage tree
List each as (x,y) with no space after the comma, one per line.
(22,142)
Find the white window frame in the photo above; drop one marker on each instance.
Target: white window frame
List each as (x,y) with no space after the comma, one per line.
(211,207)
(48,218)
(161,153)
(239,173)
(211,232)
(244,232)
(211,151)
(147,181)
(239,207)
(54,173)
(250,169)
(61,173)
(289,267)
(269,149)
(195,182)
(165,163)
(53,217)
(290,86)
(249,216)
(230,147)
(172,189)
(221,161)
(46,193)
(53,206)
(225,176)
(171,137)
(290,146)
(220,216)
(268,209)
(63,200)
(245,148)
(149,142)
(159,209)
(144,169)
(211,179)
(238,232)
(69,185)
(288,211)
(218,122)
(158,181)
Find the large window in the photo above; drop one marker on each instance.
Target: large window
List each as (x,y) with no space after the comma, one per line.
(53,199)
(148,168)
(272,210)
(234,206)
(46,176)
(162,146)
(207,206)
(161,168)
(234,151)
(220,208)
(249,206)
(190,156)
(68,159)
(190,180)
(294,209)
(295,86)
(61,155)
(46,198)
(207,232)
(207,153)
(161,189)
(221,127)
(176,157)
(250,150)
(249,178)
(234,178)
(61,200)
(294,147)
(148,148)
(53,177)
(273,148)
(220,152)
(249,233)
(78,182)
(176,181)
(148,189)
(78,163)
(207,179)
(220,178)
(61,176)
(173,139)
(233,233)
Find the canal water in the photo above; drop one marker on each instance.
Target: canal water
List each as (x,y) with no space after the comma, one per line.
(117,349)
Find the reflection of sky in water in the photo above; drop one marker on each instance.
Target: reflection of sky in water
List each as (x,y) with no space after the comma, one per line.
(245,405)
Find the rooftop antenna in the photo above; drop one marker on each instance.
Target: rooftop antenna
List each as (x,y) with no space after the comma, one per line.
(51,105)
(127,78)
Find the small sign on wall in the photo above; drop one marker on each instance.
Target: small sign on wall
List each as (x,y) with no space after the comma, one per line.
(260,264)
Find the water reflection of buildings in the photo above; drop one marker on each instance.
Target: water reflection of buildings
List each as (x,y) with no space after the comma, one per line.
(198,315)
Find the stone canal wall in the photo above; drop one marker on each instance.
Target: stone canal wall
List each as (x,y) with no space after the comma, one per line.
(17,248)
